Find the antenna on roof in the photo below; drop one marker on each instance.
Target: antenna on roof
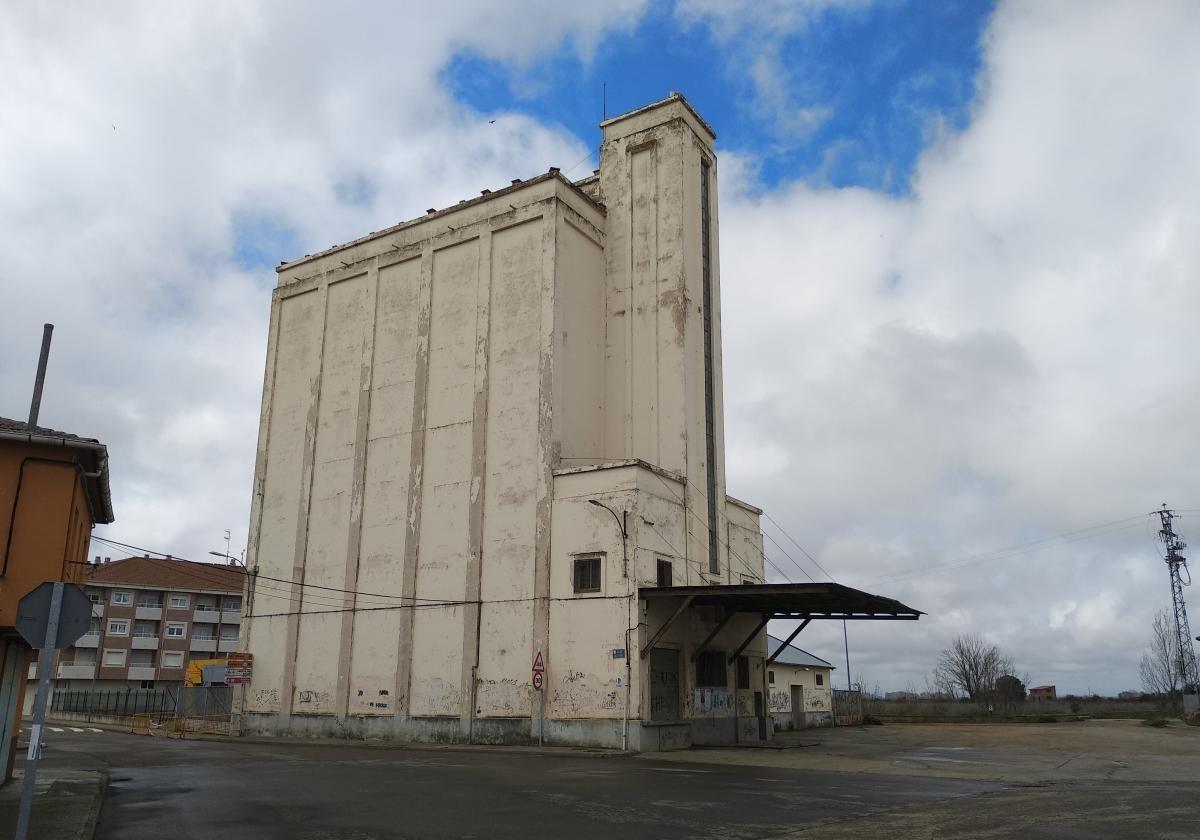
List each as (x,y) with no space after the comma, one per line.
(604,100)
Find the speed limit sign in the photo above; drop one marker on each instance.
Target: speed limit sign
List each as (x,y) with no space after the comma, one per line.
(537,680)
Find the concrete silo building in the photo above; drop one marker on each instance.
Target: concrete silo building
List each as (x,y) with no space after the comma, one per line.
(489,500)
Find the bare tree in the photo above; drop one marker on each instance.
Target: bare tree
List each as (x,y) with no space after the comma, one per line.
(971,666)
(1160,664)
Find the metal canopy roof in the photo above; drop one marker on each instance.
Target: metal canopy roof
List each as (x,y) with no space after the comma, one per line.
(789,600)
(805,601)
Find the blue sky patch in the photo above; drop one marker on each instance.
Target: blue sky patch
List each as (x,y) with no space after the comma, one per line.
(850,99)
(261,241)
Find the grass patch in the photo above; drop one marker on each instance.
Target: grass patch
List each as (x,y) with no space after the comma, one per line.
(1156,722)
(871,720)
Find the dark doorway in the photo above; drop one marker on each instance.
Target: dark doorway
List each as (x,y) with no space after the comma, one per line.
(664,684)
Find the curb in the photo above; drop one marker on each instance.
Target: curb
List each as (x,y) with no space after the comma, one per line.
(93,818)
(376,744)
(379,744)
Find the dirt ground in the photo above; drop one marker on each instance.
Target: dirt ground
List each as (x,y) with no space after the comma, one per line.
(1097,750)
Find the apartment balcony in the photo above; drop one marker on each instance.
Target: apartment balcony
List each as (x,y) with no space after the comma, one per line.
(77,672)
(88,640)
(141,672)
(231,616)
(206,615)
(148,613)
(97,610)
(226,645)
(203,644)
(145,642)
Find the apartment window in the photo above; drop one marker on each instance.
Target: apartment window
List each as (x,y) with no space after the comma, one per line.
(141,659)
(175,630)
(95,597)
(172,659)
(665,578)
(710,669)
(232,604)
(820,679)
(179,602)
(587,574)
(771,677)
(118,627)
(145,630)
(743,675)
(94,627)
(748,581)
(149,600)
(120,596)
(229,633)
(147,684)
(114,659)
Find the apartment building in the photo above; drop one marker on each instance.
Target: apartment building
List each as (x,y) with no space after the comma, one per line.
(150,618)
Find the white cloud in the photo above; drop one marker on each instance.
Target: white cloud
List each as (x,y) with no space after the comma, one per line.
(135,139)
(1007,353)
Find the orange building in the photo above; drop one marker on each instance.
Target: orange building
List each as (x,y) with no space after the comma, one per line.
(1043,692)
(53,490)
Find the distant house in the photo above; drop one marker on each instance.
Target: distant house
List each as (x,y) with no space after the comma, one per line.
(799,686)
(1043,692)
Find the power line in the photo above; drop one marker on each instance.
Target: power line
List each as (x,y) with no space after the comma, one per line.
(1013,551)
(793,542)
(261,577)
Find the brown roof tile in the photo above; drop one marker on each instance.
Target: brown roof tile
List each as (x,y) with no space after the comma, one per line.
(158,573)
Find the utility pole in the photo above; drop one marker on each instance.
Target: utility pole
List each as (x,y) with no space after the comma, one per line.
(1176,566)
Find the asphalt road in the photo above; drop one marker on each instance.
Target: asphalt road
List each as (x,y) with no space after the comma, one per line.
(232,790)
(318,791)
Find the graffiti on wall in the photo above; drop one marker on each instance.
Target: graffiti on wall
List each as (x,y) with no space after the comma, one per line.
(710,700)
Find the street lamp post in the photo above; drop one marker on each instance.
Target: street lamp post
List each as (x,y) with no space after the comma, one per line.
(623,523)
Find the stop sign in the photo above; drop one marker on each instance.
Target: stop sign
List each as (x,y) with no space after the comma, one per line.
(33,615)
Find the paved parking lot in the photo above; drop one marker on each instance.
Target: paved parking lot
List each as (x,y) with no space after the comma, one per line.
(933,783)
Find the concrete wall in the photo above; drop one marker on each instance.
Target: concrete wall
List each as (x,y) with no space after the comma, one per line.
(442,400)
(408,433)
(654,388)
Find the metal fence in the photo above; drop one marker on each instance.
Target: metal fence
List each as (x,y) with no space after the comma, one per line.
(847,708)
(177,711)
(114,703)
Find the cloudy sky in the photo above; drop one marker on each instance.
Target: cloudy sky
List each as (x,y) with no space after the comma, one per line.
(960,243)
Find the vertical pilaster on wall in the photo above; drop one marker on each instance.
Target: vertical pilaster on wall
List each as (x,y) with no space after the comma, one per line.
(547,459)
(357,491)
(614,175)
(710,440)
(479,420)
(408,586)
(296,591)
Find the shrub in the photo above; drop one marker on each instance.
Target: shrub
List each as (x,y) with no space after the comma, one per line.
(1156,722)
(1046,719)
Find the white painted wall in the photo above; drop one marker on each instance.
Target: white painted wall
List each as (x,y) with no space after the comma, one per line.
(441,400)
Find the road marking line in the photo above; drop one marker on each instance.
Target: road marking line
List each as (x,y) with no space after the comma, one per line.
(54,729)
(93,729)
(75,729)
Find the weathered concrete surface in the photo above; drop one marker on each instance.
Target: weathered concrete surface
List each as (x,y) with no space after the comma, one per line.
(294,789)
(1099,750)
(66,804)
